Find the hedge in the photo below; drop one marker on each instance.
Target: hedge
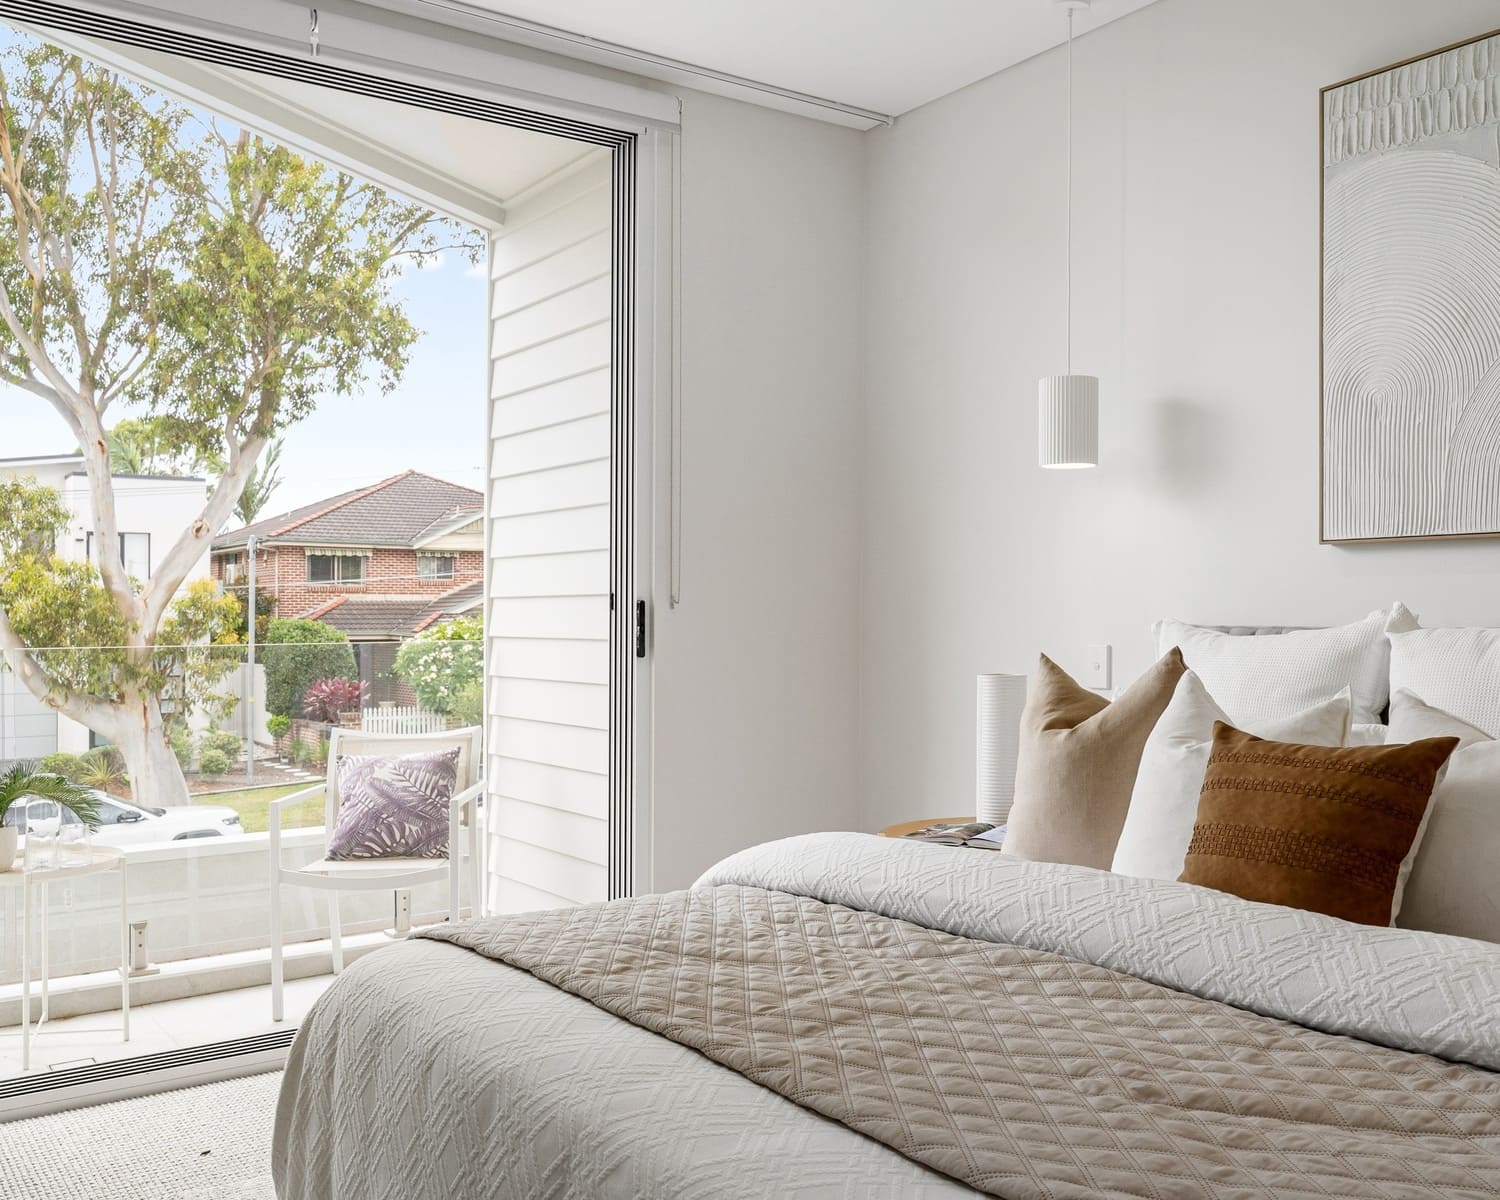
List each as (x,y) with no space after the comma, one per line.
(297,654)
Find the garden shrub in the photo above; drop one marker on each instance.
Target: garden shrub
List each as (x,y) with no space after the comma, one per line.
(212,763)
(226,742)
(468,705)
(69,766)
(102,767)
(441,662)
(182,747)
(111,756)
(297,654)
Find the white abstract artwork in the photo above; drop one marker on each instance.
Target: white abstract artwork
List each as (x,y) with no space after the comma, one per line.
(1411,299)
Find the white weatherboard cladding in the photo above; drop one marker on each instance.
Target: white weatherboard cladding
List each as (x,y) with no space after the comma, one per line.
(548,618)
(1412,299)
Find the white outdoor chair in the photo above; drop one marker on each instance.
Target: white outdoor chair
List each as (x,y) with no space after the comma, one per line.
(379,874)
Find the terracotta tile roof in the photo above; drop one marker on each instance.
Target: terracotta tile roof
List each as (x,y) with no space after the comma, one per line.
(373,616)
(395,616)
(451,604)
(394,512)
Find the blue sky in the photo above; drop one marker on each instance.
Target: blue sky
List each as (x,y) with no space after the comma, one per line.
(433,420)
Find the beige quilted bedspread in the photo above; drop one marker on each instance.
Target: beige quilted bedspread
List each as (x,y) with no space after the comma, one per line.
(1018,1072)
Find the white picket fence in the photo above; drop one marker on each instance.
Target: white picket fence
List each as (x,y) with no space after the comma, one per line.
(408,719)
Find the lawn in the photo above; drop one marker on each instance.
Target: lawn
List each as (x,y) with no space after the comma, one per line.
(254,807)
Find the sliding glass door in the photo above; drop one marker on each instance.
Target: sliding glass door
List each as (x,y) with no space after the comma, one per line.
(437,531)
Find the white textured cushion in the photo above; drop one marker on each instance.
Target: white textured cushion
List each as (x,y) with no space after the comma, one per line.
(1367,735)
(1455,882)
(1275,676)
(1454,670)
(1164,805)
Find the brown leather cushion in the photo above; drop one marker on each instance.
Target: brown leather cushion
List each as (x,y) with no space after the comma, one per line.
(1312,827)
(1077,761)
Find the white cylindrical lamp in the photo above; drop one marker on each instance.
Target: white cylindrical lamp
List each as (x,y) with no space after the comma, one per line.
(998,703)
(1068,421)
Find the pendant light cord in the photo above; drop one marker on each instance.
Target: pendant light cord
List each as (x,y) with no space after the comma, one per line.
(1068,271)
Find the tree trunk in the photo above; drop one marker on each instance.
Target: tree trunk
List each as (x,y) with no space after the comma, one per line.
(156,777)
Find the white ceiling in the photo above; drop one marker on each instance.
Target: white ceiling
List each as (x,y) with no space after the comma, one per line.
(889,56)
(490,159)
(473,170)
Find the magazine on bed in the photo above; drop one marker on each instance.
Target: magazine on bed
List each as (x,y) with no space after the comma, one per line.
(980,835)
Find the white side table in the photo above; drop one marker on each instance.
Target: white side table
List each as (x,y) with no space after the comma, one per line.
(97,860)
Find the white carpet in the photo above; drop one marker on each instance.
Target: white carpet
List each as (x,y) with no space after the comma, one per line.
(211,1142)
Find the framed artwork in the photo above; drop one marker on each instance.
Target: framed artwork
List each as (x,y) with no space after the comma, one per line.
(1410,350)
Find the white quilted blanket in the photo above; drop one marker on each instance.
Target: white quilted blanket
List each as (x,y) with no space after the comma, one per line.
(1397,987)
(429,1071)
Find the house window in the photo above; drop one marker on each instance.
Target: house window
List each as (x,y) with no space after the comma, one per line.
(233,569)
(335,568)
(135,553)
(435,566)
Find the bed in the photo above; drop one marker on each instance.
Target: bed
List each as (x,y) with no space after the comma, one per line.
(846,1016)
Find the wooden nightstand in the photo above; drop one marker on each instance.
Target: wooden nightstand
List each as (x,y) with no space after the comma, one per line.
(906,827)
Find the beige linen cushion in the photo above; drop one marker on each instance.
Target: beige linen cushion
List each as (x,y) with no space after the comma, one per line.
(1077,763)
(1455,882)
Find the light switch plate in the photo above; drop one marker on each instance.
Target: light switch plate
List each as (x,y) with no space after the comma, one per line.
(1100,670)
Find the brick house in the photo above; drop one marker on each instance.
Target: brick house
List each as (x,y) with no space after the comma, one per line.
(380,563)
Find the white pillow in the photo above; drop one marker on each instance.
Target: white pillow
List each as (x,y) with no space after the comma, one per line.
(1274,676)
(1457,671)
(1455,882)
(1367,735)
(1164,805)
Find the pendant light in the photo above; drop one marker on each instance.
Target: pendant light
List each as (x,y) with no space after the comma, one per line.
(1068,404)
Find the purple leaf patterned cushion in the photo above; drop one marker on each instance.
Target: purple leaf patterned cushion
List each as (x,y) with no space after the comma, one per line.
(394,806)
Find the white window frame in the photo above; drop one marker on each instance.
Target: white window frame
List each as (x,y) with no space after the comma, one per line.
(427,566)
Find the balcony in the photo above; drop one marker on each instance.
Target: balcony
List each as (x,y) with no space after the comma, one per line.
(205,907)
(198,876)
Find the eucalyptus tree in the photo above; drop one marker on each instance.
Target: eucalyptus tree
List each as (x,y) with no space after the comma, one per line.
(158,265)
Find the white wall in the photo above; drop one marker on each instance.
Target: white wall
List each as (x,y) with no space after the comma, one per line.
(549,493)
(1196,293)
(755,672)
(158,506)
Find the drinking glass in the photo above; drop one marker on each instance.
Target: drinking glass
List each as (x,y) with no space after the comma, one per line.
(41,848)
(73,845)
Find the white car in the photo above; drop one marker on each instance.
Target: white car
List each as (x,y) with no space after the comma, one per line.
(122,823)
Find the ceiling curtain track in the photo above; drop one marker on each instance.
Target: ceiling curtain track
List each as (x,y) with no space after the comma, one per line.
(44,13)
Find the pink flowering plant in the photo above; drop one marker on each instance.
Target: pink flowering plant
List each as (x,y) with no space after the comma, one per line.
(325,699)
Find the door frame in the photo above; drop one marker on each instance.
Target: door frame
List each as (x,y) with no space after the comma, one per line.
(390,56)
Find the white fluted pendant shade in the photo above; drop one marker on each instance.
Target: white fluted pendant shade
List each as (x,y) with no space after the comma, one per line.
(998,704)
(1068,421)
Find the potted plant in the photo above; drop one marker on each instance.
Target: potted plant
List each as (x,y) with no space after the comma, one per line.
(278,726)
(23,781)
